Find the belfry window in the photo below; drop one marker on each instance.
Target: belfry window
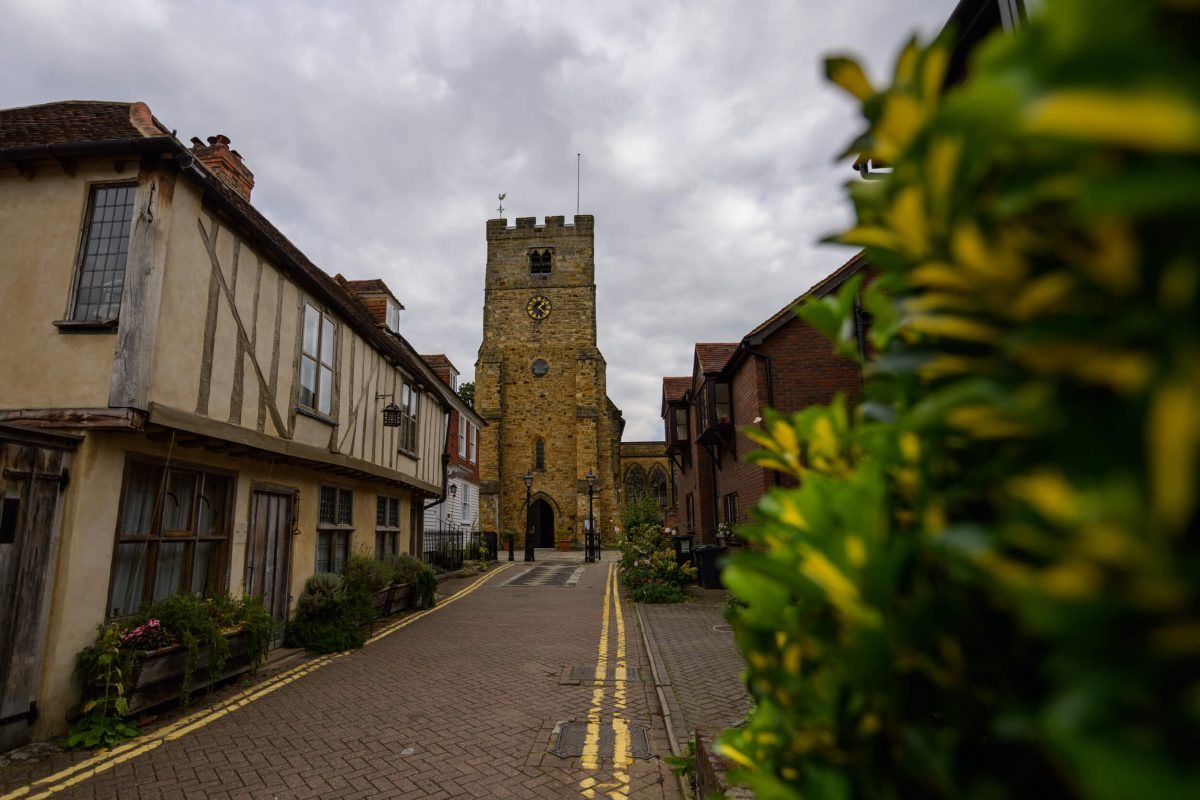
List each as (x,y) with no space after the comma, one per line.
(540,261)
(539,454)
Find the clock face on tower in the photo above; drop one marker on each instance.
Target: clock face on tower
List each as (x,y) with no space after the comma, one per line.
(538,307)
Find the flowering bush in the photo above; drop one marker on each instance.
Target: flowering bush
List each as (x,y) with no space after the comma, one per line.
(150,635)
(648,567)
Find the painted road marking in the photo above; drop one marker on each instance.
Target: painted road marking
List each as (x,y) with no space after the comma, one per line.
(590,786)
(107,759)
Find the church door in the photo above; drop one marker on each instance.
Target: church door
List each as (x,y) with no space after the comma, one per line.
(541,523)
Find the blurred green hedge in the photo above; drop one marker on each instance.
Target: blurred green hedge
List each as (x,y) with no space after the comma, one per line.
(986,584)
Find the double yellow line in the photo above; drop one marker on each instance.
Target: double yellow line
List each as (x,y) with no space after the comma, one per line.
(618,787)
(107,759)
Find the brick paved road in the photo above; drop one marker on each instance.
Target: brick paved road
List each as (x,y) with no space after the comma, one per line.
(697,663)
(462,703)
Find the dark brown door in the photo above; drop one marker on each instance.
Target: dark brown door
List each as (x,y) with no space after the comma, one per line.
(32,474)
(541,520)
(269,551)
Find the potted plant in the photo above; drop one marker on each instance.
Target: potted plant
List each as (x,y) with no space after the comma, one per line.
(564,539)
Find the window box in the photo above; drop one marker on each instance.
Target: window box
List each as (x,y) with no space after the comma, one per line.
(158,675)
(394,599)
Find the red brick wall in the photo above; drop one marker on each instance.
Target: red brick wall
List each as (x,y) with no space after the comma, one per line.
(804,371)
(465,463)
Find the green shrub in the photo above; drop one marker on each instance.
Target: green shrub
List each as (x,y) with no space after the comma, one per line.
(189,618)
(321,596)
(407,568)
(323,635)
(985,584)
(425,588)
(371,573)
(107,666)
(640,512)
(648,568)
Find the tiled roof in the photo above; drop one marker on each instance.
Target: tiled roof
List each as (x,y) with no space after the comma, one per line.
(439,360)
(675,388)
(714,356)
(78,122)
(75,121)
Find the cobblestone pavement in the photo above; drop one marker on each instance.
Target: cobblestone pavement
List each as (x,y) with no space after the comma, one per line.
(696,663)
(463,702)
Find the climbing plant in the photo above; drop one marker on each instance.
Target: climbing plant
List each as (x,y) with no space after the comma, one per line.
(987,583)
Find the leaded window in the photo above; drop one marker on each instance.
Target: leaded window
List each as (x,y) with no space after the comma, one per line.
(658,485)
(635,483)
(335,527)
(387,526)
(103,250)
(539,454)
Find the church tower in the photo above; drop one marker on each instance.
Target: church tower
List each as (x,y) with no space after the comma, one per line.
(540,385)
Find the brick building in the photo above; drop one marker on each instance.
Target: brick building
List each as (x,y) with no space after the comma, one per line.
(540,383)
(783,363)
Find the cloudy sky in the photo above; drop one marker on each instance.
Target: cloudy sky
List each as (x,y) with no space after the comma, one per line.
(380,134)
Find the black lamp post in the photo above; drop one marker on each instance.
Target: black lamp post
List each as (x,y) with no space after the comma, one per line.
(528,478)
(591,547)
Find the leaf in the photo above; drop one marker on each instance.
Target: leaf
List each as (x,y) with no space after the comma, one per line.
(1152,120)
(847,74)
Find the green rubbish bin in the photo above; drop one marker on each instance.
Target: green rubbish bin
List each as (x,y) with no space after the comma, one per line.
(707,570)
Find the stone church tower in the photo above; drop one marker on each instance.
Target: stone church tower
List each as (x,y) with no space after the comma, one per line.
(540,384)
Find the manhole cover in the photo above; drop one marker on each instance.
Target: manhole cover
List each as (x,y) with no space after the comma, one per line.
(587,674)
(572,735)
(547,575)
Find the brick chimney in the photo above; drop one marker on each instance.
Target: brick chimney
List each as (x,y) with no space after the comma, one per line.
(226,164)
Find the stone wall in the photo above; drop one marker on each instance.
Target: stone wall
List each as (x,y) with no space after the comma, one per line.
(564,405)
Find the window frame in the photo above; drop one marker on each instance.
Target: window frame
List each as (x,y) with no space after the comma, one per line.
(473,443)
(690,512)
(463,428)
(81,252)
(317,357)
(155,536)
(409,414)
(731,508)
(539,454)
(340,534)
(387,535)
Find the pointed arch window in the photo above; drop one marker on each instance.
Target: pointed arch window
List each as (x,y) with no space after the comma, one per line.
(658,485)
(540,261)
(635,483)
(539,454)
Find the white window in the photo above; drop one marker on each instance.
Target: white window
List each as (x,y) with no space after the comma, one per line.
(408,418)
(463,426)
(316,360)
(393,316)
(474,442)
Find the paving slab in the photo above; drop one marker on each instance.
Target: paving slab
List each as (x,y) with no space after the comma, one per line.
(462,702)
(696,665)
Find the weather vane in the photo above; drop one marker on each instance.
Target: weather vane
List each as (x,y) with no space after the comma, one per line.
(501,197)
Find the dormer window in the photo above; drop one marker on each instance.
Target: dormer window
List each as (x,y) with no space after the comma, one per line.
(393,316)
(678,437)
(541,261)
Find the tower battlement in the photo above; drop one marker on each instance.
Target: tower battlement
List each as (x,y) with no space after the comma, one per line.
(527,226)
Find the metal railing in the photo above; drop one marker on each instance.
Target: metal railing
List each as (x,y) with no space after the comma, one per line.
(447,549)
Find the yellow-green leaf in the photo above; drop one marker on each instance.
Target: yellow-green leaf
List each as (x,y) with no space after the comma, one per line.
(847,73)
(1154,121)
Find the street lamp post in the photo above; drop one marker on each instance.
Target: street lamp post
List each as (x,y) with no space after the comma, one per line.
(528,478)
(591,547)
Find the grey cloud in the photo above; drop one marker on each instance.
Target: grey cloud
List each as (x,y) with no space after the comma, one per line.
(380,133)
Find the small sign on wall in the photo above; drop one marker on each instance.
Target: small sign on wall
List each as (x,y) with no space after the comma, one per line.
(239,533)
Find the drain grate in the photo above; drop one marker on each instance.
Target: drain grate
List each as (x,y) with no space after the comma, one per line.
(573,735)
(587,674)
(547,575)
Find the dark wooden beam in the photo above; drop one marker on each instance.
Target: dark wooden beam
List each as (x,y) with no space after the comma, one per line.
(126,419)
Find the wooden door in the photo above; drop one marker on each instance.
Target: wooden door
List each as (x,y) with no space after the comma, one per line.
(33,472)
(269,551)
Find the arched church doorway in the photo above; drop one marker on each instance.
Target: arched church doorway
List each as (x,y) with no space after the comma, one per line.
(541,522)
